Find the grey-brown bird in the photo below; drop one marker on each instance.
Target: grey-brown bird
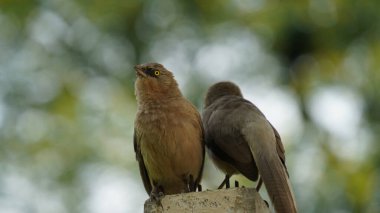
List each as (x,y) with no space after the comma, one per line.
(168,134)
(240,139)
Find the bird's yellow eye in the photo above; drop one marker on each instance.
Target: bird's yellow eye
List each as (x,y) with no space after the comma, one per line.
(157,72)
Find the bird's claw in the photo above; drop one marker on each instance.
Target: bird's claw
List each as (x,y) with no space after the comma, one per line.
(156,196)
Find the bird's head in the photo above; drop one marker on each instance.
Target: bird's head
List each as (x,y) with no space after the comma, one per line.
(155,81)
(221,89)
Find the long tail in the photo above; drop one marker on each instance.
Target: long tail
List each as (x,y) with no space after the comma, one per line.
(262,142)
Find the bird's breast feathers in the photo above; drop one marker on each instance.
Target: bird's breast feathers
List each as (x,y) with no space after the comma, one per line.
(169,134)
(173,122)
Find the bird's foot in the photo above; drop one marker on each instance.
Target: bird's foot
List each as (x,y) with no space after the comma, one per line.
(157,194)
(157,197)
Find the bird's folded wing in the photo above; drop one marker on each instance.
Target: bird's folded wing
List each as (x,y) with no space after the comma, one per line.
(280,149)
(226,141)
(140,160)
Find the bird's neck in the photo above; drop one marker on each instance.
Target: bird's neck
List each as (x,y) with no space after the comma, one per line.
(149,98)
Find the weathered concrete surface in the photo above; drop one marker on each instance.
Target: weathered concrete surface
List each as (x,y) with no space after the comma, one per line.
(224,200)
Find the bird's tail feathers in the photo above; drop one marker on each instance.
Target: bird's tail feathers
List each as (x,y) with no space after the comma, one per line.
(271,169)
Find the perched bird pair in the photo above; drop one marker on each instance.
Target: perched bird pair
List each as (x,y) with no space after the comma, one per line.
(169,138)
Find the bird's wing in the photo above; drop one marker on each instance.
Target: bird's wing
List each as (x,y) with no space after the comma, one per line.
(143,171)
(198,180)
(279,146)
(224,139)
(280,149)
(268,153)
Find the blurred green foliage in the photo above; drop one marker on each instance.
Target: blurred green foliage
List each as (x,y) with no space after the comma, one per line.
(67,101)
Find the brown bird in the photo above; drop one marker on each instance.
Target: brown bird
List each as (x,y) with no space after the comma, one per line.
(168,136)
(240,139)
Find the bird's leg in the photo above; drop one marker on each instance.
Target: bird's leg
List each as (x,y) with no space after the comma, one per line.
(157,193)
(226,182)
(259,183)
(189,183)
(199,187)
(258,186)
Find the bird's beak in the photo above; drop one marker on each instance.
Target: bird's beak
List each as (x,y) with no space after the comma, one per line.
(139,71)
